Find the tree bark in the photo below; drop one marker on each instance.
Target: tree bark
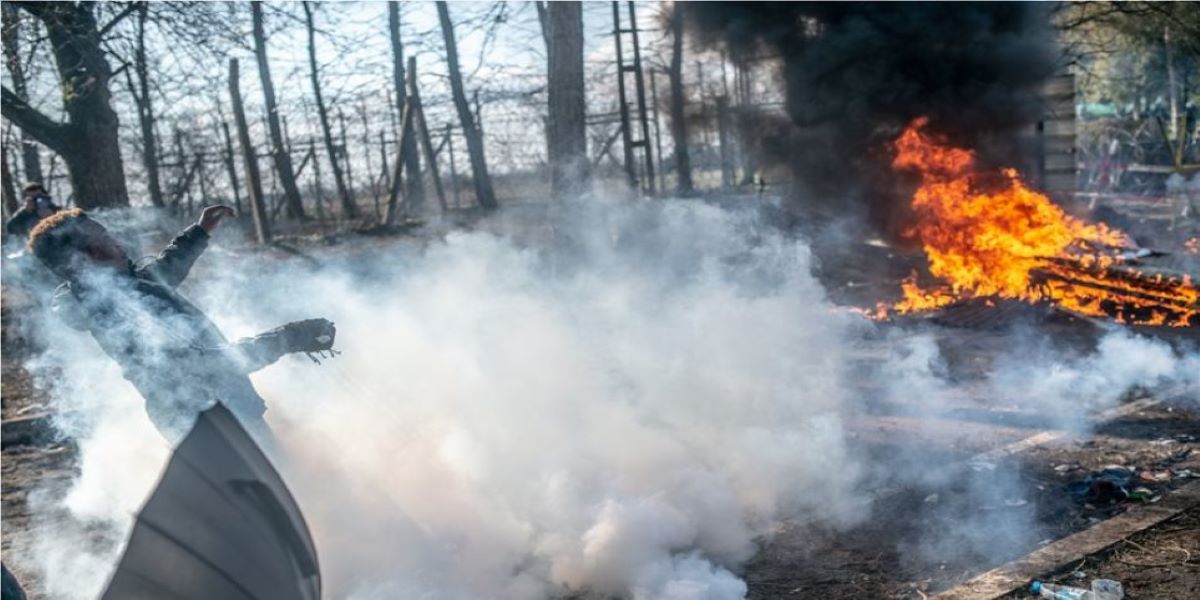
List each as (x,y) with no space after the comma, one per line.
(724,142)
(30,160)
(542,20)
(88,141)
(484,193)
(253,181)
(743,85)
(183,177)
(683,163)
(566,129)
(279,150)
(346,156)
(422,130)
(230,167)
(348,206)
(10,192)
(1172,87)
(414,192)
(393,205)
(145,108)
(453,166)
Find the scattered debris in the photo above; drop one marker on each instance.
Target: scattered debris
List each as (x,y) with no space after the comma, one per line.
(1115,483)
(1102,589)
(1108,486)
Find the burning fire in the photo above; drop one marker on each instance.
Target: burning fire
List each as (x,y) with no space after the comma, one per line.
(988,235)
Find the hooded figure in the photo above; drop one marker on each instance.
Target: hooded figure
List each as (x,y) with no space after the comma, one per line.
(36,205)
(169,350)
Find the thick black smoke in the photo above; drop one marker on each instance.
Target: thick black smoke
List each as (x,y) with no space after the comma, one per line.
(857,73)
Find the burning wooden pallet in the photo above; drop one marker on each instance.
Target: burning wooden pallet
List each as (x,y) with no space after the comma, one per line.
(988,236)
(1129,293)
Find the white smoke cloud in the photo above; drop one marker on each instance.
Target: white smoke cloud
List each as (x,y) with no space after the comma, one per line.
(626,406)
(504,424)
(1067,387)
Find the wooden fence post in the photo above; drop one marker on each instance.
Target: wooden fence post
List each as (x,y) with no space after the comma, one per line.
(406,127)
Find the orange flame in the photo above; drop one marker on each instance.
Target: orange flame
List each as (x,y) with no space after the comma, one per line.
(988,235)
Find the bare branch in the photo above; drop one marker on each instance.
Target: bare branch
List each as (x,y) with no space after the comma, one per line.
(125,12)
(45,130)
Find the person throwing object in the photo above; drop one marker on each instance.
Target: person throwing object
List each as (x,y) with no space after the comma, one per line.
(167,348)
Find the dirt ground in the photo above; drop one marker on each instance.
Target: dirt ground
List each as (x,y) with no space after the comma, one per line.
(1160,562)
(889,556)
(908,546)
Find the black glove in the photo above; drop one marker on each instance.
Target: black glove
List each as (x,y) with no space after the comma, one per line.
(309,335)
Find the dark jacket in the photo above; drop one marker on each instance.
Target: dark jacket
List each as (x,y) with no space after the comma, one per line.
(21,223)
(25,219)
(171,352)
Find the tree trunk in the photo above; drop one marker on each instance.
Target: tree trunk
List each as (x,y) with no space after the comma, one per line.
(1172,87)
(253,180)
(566,129)
(348,207)
(181,170)
(422,131)
(230,167)
(145,108)
(346,156)
(743,86)
(279,150)
(10,192)
(393,205)
(662,171)
(30,160)
(484,194)
(683,164)
(88,142)
(724,142)
(543,21)
(414,193)
(453,166)
(385,174)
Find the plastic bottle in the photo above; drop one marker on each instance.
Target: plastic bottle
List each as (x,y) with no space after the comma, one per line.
(1102,589)
(1059,592)
(1107,589)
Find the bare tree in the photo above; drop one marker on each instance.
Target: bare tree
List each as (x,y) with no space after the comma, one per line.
(391,213)
(145,108)
(10,191)
(484,194)
(88,141)
(414,193)
(422,132)
(230,167)
(279,150)
(566,129)
(12,54)
(253,180)
(683,164)
(348,206)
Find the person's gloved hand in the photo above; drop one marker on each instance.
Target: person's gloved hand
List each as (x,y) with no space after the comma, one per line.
(309,335)
(211,217)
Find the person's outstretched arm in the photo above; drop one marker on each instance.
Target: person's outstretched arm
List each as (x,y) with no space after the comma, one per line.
(172,265)
(310,335)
